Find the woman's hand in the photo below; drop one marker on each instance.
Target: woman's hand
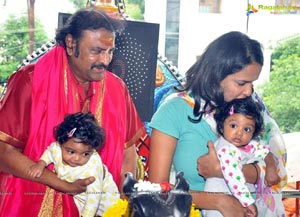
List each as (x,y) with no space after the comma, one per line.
(272,177)
(208,165)
(226,204)
(252,210)
(230,206)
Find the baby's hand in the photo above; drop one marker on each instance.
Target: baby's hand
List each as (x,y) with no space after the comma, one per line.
(252,211)
(271,177)
(35,171)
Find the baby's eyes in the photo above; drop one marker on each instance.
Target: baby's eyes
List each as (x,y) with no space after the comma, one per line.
(248,130)
(86,154)
(233,126)
(70,152)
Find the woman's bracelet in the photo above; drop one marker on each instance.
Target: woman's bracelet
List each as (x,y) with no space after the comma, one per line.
(257,175)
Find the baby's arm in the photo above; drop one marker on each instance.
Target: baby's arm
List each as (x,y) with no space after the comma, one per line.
(36,170)
(271,177)
(230,160)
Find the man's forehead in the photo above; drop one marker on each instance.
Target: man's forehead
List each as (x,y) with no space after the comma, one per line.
(102,35)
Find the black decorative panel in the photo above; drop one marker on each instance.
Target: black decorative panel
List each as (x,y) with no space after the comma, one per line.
(135,62)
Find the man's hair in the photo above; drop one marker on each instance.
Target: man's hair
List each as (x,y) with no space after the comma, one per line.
(87,19)
(247,107)
(82,126)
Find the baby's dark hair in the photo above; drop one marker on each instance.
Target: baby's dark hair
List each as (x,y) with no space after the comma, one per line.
(246,106)
(82,126)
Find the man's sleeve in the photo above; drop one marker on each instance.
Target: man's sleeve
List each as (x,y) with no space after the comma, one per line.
(15,109)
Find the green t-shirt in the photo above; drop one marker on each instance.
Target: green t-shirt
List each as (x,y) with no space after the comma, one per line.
(172,118)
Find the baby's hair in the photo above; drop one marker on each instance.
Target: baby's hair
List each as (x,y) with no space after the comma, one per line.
(82,126)
(246,106)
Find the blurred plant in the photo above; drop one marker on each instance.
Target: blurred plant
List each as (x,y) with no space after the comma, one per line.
(281,95)
(14,43)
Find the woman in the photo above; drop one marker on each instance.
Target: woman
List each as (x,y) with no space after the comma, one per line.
(183,125)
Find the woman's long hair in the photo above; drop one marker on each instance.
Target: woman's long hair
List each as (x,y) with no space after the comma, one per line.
(226,55)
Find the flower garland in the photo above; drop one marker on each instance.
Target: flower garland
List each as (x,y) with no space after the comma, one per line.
(119,209)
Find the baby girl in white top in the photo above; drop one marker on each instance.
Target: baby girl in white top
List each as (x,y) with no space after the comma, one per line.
(239,124)
(75,157)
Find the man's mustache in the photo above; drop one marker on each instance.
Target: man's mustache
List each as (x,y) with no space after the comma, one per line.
(99,65)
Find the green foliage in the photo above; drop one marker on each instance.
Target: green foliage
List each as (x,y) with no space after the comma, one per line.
(139,3)
(79,3)
(286,49)
(14,43)
(281,95)
(134,12)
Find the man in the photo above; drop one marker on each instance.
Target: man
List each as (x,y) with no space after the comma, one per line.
(71,77)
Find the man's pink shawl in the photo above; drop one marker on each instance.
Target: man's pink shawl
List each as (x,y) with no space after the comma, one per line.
(54,95)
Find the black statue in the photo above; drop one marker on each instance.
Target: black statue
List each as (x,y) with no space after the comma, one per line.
(174,203)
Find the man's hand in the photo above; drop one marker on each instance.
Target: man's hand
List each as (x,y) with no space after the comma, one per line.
(208,165)
(14,162)
(79,185)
